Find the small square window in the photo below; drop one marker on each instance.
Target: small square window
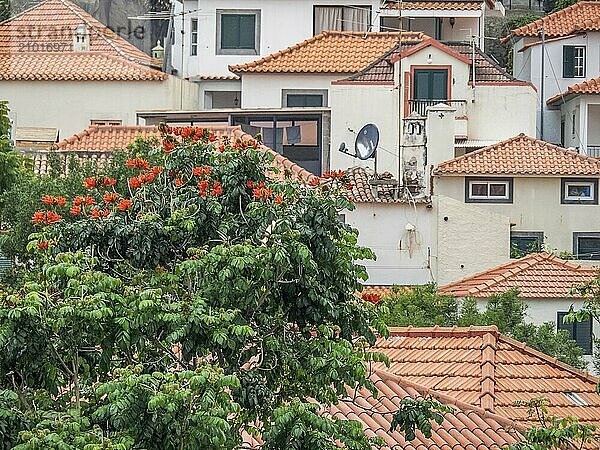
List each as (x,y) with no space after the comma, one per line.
(525,242)
(488,190)
(586,245)
(579,191)
(238,32)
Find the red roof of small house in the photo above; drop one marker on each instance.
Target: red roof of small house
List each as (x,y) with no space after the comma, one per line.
(98,142)
(484,368)
(435,5)
(330,52)
(580,17)
(585,87)
(38,45)
(521,155)
(536,276)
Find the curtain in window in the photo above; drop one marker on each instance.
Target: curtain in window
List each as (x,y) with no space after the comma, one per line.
(356,19)
(328,18)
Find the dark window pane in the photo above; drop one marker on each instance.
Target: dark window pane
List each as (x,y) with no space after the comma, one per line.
(588,248)
(497,190)
(579,190)
(238,31)
(526,244)
(304,100)
(431,84)
(568,61)
(479,189)
(580,332)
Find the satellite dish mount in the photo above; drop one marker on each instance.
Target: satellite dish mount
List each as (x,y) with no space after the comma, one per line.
(365,144)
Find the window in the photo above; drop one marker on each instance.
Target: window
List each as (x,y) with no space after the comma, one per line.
(341,18)
(573,61)
(194,38)
(238,32)
(576,399)
(488,190)
(430,87)
(586,245)
(299,98)
(579,191)
(580,332)
(525,242)
(106,122)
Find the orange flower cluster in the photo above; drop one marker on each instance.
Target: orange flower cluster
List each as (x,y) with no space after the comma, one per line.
(201,171)
(50,200)
(168,146)
(46,217)
(87,201)
(138,163)
(314,181)
(98,182)
(371,298)
(334,174)
(215,189)
(110,197)
(124,204)
(141,179)
(99,213)
(240,144)
(44,245)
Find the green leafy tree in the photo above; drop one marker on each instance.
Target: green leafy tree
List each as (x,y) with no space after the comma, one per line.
(423,306)
(197,302)
(10,163)
(552,433)
(419,414)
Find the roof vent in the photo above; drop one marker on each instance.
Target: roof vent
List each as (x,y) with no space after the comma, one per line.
(81,39)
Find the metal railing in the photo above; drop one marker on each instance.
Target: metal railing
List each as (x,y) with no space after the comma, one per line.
(593,151)
(420,106)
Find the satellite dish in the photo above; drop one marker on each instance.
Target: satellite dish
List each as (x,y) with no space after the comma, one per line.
(367,141)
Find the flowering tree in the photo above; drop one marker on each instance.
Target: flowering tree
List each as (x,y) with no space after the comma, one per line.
(206,300)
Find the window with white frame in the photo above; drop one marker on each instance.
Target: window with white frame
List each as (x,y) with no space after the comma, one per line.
(488,190)
(238,32)
(341,18)
(106,122)
(194,37)
(579,191)
(573,61)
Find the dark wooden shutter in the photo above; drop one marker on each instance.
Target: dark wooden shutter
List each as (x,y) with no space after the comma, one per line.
(568,61)
(583,335)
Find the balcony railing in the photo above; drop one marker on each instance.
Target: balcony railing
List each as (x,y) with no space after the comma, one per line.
(593,151)
(420,106)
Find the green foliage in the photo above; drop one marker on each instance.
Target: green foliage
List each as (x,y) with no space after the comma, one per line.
(419,414)
(422,306)
(10,161)
(165,314)
(522,20)
(551,433)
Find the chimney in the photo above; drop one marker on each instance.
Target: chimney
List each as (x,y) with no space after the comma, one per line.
(441,129)
(81,39)
(158,52)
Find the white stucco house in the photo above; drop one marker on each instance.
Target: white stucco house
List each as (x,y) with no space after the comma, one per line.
(61,69)
(546,283)
(571,47)
(210,35)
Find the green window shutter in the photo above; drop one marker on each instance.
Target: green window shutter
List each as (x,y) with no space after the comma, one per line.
(583,335)
(568,61)
(247,31)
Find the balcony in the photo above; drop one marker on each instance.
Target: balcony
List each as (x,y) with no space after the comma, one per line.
(593,151)
(420,106)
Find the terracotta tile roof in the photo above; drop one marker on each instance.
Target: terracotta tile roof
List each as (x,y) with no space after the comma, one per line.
(581,17)
(38,45)
(363,192)
(98,142)
(585,87)
(329,52)
(382,291)
(382,69)
(435,5)
(521,155)
(537,275)
(482,367)
(468,428)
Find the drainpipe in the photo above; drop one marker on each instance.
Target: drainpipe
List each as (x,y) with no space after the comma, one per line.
(543,34)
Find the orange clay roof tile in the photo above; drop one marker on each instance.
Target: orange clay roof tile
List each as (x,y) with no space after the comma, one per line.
(98,142)
(435,5)
(581,17)
(521,155)
(585,87)
(38,45)
(330,52)
(538,275)
(478,365)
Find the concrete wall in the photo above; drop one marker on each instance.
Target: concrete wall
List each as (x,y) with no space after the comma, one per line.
(283,24)
(536,207)
(70,105)
(265,90)
(469,239)
(354,106)
(403,257)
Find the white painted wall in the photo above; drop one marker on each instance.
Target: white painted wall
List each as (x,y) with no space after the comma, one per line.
(536,207)
(265,90)
(469,239)
(71,105)
(402,256)
(527,66)
(283,24)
